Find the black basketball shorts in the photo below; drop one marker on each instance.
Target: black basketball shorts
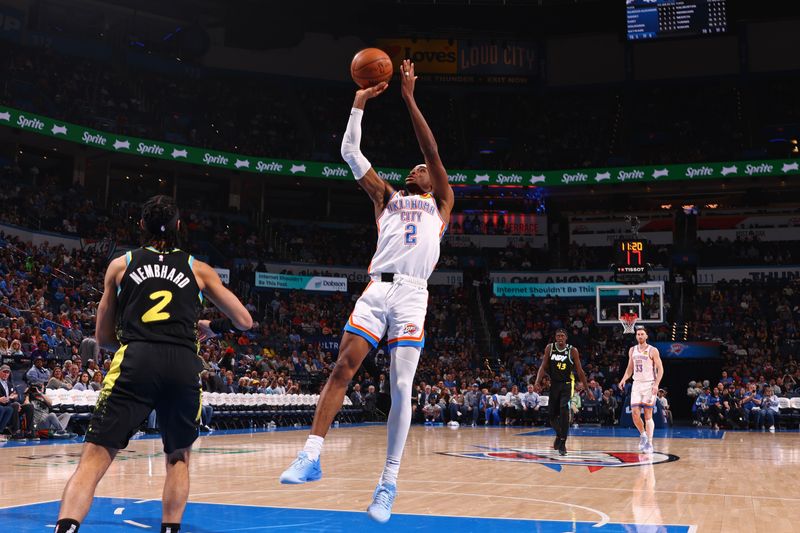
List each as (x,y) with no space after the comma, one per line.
(146,376)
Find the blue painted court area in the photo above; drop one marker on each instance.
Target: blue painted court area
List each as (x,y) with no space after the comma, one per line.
(671,433)
(113,515)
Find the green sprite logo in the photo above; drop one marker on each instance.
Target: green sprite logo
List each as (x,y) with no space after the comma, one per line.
(692,172)
(577,177)
(149,149)
(625,175)
(457,178)
(336,172)
(503,179)
(98,139)
(388,176)
(272,166)
(220,159)
(31,123)
(763,168)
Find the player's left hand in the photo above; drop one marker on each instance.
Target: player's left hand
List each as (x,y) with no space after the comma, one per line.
(655,390)
(204,330)
(407,79)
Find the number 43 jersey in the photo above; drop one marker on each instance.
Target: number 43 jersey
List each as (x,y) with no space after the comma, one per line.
(410,229)
(158,298)
(561,363)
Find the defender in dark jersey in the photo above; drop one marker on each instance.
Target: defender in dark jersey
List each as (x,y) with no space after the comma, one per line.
(561,361)
(148,313)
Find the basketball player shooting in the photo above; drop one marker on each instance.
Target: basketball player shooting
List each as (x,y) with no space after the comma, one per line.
(644,363)
(410,226)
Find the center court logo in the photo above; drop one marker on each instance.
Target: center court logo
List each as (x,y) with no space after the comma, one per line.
(594,460)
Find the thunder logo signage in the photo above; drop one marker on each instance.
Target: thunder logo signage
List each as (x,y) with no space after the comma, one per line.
(592,459)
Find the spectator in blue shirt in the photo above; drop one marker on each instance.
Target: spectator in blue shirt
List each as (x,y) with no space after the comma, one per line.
(769,410)
(37,373)
(751,399)
(700,407)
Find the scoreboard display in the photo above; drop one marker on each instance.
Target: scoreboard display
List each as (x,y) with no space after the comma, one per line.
(653,19)
(630,260)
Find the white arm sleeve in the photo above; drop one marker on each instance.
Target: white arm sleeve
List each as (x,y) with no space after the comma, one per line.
(351,145)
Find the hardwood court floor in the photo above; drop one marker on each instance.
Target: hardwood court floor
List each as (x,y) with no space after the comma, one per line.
(719,482)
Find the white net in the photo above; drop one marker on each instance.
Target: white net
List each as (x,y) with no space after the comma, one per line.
(628,322)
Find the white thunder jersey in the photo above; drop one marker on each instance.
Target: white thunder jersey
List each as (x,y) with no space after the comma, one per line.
(409,233)
(643,368)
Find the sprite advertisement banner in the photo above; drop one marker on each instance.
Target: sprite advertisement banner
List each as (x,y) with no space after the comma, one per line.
(541,290)
(314,169)
(300,283)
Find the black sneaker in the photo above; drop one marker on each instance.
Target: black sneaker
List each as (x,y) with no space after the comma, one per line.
(19,435)
(555,442)
(562,447)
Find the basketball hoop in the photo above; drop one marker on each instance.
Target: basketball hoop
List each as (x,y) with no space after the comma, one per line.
(628,321)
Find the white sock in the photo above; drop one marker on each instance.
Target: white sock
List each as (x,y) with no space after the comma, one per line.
(401,378)
(313,446)
(390,471)
(651,426)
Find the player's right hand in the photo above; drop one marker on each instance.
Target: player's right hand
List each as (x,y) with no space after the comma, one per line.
(372,92)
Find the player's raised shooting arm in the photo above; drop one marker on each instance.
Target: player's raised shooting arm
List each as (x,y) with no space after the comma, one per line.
(105,328)
(377,189)
(225,300)
(442,190)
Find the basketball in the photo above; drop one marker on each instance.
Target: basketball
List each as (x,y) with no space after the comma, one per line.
(371,66)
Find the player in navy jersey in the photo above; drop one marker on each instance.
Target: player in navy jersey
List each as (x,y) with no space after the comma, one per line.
(148,314)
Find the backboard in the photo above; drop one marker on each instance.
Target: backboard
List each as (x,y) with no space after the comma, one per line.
(644,299)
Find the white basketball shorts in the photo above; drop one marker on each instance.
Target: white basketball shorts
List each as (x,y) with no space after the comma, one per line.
(396,309)
(642,394)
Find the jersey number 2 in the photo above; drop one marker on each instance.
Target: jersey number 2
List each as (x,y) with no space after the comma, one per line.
(411,234)
(155,313)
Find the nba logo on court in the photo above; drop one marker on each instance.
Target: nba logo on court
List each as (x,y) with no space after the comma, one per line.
(594,460)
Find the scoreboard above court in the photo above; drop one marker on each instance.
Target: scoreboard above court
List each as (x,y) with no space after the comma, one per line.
(653,19)
(630,260)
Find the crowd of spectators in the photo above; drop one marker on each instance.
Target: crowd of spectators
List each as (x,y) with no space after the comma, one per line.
(757,325)
(279,118)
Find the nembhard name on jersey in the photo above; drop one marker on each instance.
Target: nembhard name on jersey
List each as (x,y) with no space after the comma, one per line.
(414,204)
(159,271)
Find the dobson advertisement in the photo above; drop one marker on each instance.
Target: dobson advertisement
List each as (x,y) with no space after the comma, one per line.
(301,283)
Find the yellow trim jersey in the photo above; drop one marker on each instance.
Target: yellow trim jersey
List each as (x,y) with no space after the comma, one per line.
(158,298)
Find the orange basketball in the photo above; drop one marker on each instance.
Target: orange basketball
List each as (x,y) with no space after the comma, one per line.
(370,66)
